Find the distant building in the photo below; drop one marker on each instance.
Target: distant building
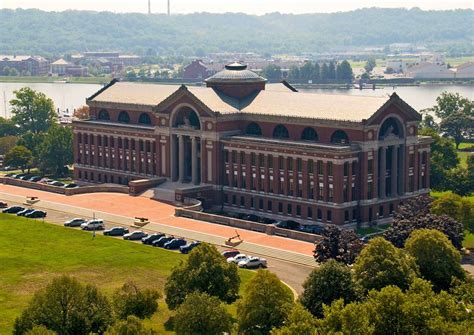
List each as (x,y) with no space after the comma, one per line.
(112,57)
(62,67)
(465,70)
(196,70)
(25,65)
(428,70)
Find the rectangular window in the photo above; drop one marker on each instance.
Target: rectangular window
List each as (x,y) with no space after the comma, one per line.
(261,160)
(320,168)
(370,166)
(99,141)
(270,161)
(369,190)
(253,159)
(243,180)
(290,164)
(345,193)
(234,157)
(226,199)
(242,201)
(291,187)
(346,216)
(346,169)
(310,213)
(330,168)
(412,160)
(242,157)
(280,163)
(298,210)
(269,205)
(354,168)
(289,209)
(280,207)
(331,194)
(299,164)
(353,192)
(311,190)
(329,219)
(321,191)
(310,166)
(260,204)
(226,156)
(252,203)
(234,200)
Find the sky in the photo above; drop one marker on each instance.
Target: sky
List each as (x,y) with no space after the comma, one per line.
(220,6)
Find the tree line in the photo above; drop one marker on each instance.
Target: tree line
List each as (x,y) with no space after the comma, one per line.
(312,71)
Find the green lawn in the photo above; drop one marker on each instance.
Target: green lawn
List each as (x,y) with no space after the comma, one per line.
(463,157)
(465,145)
(33,252)
(468,240)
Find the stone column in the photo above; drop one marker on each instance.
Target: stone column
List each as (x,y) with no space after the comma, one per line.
(173,155)
(182,173)
(394,172)
(383,162)
(194,161)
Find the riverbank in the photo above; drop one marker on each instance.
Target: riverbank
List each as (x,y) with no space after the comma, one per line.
(43,79)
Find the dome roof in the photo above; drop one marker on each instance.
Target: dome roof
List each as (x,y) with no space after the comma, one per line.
(235,73)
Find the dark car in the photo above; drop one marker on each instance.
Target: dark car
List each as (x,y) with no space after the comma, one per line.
(19,176)
(188,247)
(26,177)
(267,221)
(71,185)
(13,209)
(116,231)
(161,241)
(175,243)
(3,204)
(35,179)
(252,217)
(25,211)
(312,229)
(230,253)
(36,214)
(135,235)
(288,224)
(151,238)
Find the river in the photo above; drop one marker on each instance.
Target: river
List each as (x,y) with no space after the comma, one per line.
(70,96)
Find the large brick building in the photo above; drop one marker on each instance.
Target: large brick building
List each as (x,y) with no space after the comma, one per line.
(261,148)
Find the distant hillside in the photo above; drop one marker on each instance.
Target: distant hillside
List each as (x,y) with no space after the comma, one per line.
(34,31)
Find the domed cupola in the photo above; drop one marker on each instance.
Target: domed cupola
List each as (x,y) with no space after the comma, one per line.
(236,81)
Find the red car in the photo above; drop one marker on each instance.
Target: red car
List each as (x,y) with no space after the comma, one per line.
(3,204)
(230,253)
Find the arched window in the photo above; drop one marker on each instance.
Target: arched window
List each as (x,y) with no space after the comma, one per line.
(309,134)
(144,119)
(391,128)
(186,117)
(124,117)
(104,115)
(339,137)
(280,131)
(253,129)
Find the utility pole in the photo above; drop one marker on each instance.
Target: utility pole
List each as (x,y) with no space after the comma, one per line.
(149,7)
(169,11)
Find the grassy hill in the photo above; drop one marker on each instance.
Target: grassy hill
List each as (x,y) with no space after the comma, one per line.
(34,31)
(33,252)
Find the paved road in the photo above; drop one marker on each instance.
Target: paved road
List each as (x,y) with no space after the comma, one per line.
(293,274)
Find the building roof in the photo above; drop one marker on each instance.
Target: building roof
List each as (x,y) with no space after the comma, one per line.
(268,102)
(235,73)
(60,61)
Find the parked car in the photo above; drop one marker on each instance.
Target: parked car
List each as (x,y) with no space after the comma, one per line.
(288,224)
(56,183)
(10,168)
(252,217)
(35,179)
(175,243)
(19,176)
(26,177)
(267,221)
(45,180)
(3,204)
(76,222)
(71,185)
(36,214)
(116,231)
(237,259)
(95,224)
(152,237)
(230,253)
(13,209)
(253,262)
(161,241)
(135,235)
(185,249)
(25,211)
(312,229)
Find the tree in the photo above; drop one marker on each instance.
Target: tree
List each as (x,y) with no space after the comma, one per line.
(131,300)
(131,326)
(264,304)
(350,319)
(381,264)
(294,72)
(456,114)
(205,271)
(7,127)
(329,282)
(324,72)
(202,314)
(19,156)
(443,158)
(7,143)
(306,71)
(457,207)
(40,330)
(436,257)
(82,113)
(332,71)
(339,244)
(56,150)
(370,65)
(66,307)
(272,71)
(344,71)
(32,111)
(316,74)
(298,321)
(429,122)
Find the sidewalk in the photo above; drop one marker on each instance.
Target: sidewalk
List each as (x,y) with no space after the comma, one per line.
(121,209)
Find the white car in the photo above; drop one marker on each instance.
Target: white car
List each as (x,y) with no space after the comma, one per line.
(253,262)
(237,259)
(95,224)
(76,222)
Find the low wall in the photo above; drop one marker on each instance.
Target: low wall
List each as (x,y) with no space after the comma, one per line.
(248,225)
(62,190)
(140,185)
